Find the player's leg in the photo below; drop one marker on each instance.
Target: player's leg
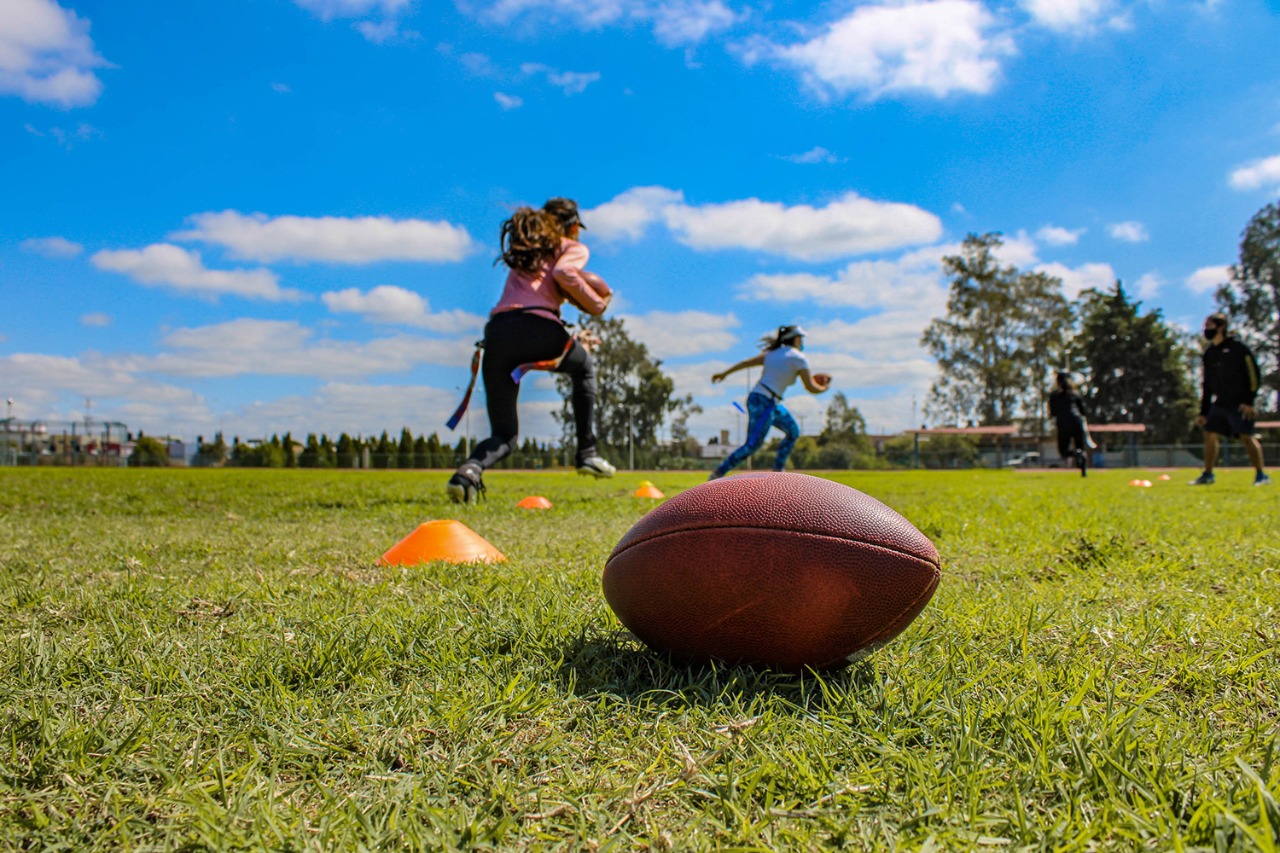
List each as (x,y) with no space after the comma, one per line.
(759,419)
(783,420)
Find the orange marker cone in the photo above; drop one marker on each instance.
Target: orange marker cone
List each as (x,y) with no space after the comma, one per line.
(534,502)
(1145,484)
(448,540)
(1165,477)
(649,491)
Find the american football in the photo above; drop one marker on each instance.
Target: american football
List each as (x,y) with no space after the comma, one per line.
(781,570)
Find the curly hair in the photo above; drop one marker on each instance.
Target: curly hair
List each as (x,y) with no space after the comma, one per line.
(529,239)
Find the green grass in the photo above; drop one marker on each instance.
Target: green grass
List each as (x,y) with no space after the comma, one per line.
(212,659)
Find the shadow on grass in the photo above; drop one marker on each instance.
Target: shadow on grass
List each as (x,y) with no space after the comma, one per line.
(615,664)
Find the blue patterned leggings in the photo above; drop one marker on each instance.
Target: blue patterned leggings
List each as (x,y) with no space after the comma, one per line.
(764,412)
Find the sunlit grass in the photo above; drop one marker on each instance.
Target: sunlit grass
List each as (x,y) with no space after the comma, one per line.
(213,659)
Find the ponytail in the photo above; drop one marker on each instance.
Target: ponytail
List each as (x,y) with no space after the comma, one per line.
(529,239)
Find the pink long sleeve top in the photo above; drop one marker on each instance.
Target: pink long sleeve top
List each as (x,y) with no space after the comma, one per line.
(554,283)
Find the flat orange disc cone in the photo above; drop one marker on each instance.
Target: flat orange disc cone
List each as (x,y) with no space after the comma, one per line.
(448,540)
(649,491)
(534,502)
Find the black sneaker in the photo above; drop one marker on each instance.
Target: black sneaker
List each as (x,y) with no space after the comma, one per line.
(596,466)
(1083,461)
(1205,479)
(1261,479)
(466,486)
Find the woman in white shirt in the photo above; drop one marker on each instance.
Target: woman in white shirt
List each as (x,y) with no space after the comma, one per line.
(783,361)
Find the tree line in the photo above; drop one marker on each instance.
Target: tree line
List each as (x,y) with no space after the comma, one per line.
(1007,330)
(384,451)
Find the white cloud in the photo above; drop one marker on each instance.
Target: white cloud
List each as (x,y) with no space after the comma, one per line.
(937,48)
(329,239)
(570,82)
(337,407)
(286,348)
(508,102)
(95,319)
(1263,173)
(817,154)
(1056,235)
(1076,280)
(1019,250)
(52,247)
(282,88)
(172,266)
(1064,15)
(1128,232)
(378,19)
(629,214)
(678,24)
(1149,286)
(675,23)
(850,225)
(397,306)
(1207,279)
(912,282)
(46,55)
(671,334)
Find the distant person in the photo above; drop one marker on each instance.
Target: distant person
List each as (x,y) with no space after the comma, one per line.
(545,265)
(1066,406)
(1226,404)
(783,361)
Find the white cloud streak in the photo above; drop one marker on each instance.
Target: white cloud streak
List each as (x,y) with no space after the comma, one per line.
(46,55)
(570,82)
(672,334)
(329,239)
(849,225)
(675,23)
(1056,235)
(938,48)
(1255,176)
(1128,232)
(396,306)
(52,247)
(166,265)
(1206,279)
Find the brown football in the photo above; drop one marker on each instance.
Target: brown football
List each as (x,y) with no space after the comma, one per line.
(782,570)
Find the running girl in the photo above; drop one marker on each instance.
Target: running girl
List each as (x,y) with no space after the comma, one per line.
(545,269)
(782,360)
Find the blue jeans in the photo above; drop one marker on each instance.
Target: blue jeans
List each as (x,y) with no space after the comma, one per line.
(763,412)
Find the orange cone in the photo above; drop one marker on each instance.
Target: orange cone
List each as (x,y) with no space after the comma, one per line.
(649,491)
(534,502)
(448,540)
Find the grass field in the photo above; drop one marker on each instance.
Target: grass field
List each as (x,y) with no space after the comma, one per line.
(212,659)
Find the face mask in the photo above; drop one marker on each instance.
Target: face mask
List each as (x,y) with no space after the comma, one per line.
(1210,334)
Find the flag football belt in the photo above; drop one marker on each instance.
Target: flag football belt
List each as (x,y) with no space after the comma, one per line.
(516,376)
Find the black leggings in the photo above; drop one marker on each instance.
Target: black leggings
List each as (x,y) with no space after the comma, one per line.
(1069,433)
(511,339)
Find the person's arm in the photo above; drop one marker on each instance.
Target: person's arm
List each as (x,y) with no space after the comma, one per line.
(1253,382)
(577,288)
(1206,394)
(813,387)
(754,361)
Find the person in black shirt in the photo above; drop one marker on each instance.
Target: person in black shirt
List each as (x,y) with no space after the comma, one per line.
(1067,408)
(1226,406)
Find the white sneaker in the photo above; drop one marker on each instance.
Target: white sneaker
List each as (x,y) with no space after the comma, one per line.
(596,466)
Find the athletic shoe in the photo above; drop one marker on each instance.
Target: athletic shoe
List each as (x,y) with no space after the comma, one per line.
(596,466)
(1261,479)
(1205,479)
(467,484)
(1082,460)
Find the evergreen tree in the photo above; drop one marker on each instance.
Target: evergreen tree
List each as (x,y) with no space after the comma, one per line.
(404,457)
(345,453)
(383,454)
(1134,366)
(1252,298)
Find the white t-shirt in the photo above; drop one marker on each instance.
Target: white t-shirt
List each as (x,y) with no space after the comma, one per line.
(781,367)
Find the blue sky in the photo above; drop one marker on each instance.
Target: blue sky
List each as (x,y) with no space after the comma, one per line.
(271,215)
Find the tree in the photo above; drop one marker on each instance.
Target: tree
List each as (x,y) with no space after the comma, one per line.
(1252,298)
(633,396)
(345,452)
(149,452)
(210,454)
(1134,366)
(1002,330)
(404,458)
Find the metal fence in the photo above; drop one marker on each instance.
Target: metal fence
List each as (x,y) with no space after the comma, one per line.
(104,443)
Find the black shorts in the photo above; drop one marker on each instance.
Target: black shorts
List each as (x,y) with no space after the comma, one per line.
(1228,422)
